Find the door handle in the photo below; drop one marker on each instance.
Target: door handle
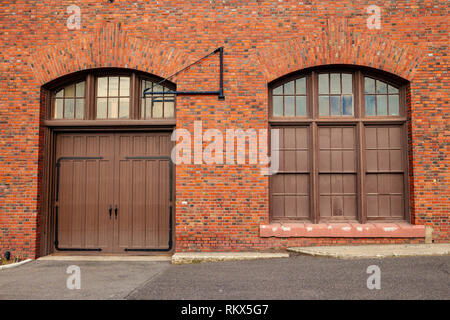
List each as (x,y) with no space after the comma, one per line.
(110,211)
(115,211)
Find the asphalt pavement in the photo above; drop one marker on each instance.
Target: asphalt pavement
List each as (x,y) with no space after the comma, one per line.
(297,277)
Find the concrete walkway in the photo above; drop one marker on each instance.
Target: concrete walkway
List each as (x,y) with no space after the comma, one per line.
(375,251)
(195,257)
(117,258)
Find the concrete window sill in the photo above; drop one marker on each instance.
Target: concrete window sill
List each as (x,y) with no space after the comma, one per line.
(339,230)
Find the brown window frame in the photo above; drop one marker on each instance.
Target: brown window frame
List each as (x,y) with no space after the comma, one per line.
(359,121)
(90,105)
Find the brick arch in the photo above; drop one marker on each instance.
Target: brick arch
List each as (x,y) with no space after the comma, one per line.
(107,46)
(339,44)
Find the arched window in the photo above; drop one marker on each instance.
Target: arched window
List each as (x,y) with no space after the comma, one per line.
(343,154)
(111,95)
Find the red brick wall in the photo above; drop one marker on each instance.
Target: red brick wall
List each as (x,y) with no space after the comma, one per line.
(263,40)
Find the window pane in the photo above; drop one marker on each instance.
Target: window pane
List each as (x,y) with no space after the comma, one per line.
(102,87)
(300,106)
(80,89)
(335,83)
(69,108)
(157,88)
(300,86)
(278,90)
(382,105)
(113,86)
(393,105)
(124,86)
(59,108)
(347,105)
(113,108)
(370,105)
(147,84)
(142,108)
(289,106)
(369,85)
(277,106)
(323,83)
(157,109)
(324,106)
(392,89)
(60,93)
(69,91)
(148,106)
(79,109)
(289,88)
(124,111)
(347,83)
(169,109)
(101,108)
(381,87)
(335,105)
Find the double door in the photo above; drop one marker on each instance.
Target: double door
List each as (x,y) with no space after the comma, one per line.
(113,192)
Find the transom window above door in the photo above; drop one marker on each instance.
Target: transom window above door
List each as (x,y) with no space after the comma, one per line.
(342,148)
(111,95)
(335,94)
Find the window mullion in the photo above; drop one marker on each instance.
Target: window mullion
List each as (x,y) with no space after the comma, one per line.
(89,96)
(313,106)
(314,173)
(132,92)
(361,173)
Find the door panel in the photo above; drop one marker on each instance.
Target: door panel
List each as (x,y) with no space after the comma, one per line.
(85,191)
(143,166)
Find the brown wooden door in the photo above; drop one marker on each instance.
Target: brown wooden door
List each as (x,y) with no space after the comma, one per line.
(113,191)
(142,190)
(84,191)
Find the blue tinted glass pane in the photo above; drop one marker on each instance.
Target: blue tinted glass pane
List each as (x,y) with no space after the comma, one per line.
(335,105)
(370,105)
(347,105)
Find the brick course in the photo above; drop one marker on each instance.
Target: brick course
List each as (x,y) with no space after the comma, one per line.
(263,40)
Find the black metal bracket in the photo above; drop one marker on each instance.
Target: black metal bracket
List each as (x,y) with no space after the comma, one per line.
(58,166)
(170,244)
(219,93)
